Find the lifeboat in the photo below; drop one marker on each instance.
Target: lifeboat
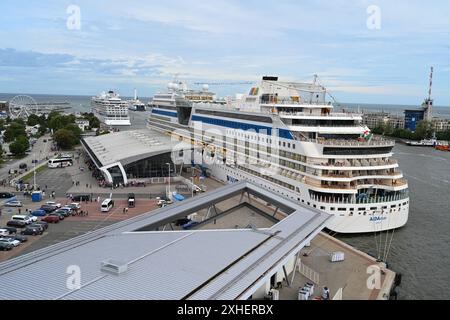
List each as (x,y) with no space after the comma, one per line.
(442,148)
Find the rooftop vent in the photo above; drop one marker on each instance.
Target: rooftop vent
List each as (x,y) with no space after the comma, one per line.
(114,266)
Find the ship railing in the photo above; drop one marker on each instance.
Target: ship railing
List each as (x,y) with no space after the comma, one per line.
(355,163)
(347,142)
(287,101)
(331,115)
(359,143)
(363,200)
(360,174)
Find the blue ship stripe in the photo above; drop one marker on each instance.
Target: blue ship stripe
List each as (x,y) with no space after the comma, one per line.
(165,113)
(283,133)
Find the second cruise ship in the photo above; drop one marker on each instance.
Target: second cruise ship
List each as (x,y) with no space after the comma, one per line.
(111,108)
(287,137)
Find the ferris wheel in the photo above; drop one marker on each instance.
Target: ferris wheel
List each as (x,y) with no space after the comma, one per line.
(22,106)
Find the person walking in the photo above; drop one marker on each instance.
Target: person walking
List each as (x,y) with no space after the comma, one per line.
(123,211)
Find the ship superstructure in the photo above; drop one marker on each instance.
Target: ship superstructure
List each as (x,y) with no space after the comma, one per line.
(285,136)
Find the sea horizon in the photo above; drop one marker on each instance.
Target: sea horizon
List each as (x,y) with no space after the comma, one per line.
(81,102)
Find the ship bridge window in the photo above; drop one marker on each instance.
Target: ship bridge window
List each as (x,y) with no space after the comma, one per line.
(373,208)
(342,209)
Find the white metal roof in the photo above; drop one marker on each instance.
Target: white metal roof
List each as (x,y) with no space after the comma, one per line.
(130,146)
(196,264)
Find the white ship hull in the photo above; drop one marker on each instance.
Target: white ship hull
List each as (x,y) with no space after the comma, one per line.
(359,222)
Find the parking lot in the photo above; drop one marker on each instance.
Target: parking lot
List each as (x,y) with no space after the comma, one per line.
(73,226)
(76,180)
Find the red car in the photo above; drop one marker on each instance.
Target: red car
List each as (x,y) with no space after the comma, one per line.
(51,219)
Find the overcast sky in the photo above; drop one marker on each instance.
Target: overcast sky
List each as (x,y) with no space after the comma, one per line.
(126,44)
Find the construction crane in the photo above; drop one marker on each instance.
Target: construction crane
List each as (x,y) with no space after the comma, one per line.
(428,104)
(224,83)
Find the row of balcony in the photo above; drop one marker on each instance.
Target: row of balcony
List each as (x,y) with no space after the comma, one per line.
(354,185)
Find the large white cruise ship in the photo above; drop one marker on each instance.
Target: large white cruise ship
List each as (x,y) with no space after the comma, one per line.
(286,137)
(111,108)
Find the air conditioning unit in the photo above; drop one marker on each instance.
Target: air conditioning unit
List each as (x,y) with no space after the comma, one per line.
(114,266)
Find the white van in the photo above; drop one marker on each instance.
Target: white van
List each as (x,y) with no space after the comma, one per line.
(23,218)
(107,205)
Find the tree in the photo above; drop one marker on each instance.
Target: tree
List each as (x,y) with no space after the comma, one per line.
(58,121)
(19,146)
(14,130)
(75,130)
(33,120)
(94,122)
(65,138)
(424,130)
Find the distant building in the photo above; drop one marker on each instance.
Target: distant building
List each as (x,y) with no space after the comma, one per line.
(440,125)
(413,117)
(32,130)
(376,119)
(3,106)
(83,124)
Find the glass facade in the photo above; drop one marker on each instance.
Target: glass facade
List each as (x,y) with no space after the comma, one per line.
(154,167)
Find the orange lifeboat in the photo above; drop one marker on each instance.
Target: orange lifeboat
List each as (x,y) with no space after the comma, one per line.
(442,148)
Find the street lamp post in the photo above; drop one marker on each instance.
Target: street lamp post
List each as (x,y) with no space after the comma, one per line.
(34,172)
(169,178)
(192,187)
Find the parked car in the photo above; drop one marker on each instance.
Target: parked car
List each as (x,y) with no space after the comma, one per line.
(5,246)
(189,225)
(39,213)
(54,204)
(82,197)
(47,208)
(51,219)
(37,226)
(32,218)
(74,205)
(23,166)
(67,209)
(34,161)
(4,232)
(18,237)
(31,231)
(65,213)
(11,230)
(58,214)
(14,242)
(14,203)
(42,223)
(22,217)
(16,224)
(6,195)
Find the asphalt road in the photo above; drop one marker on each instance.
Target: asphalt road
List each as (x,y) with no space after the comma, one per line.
(40,150)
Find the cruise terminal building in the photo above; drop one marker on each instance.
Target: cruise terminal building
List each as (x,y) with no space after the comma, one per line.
(138,154)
